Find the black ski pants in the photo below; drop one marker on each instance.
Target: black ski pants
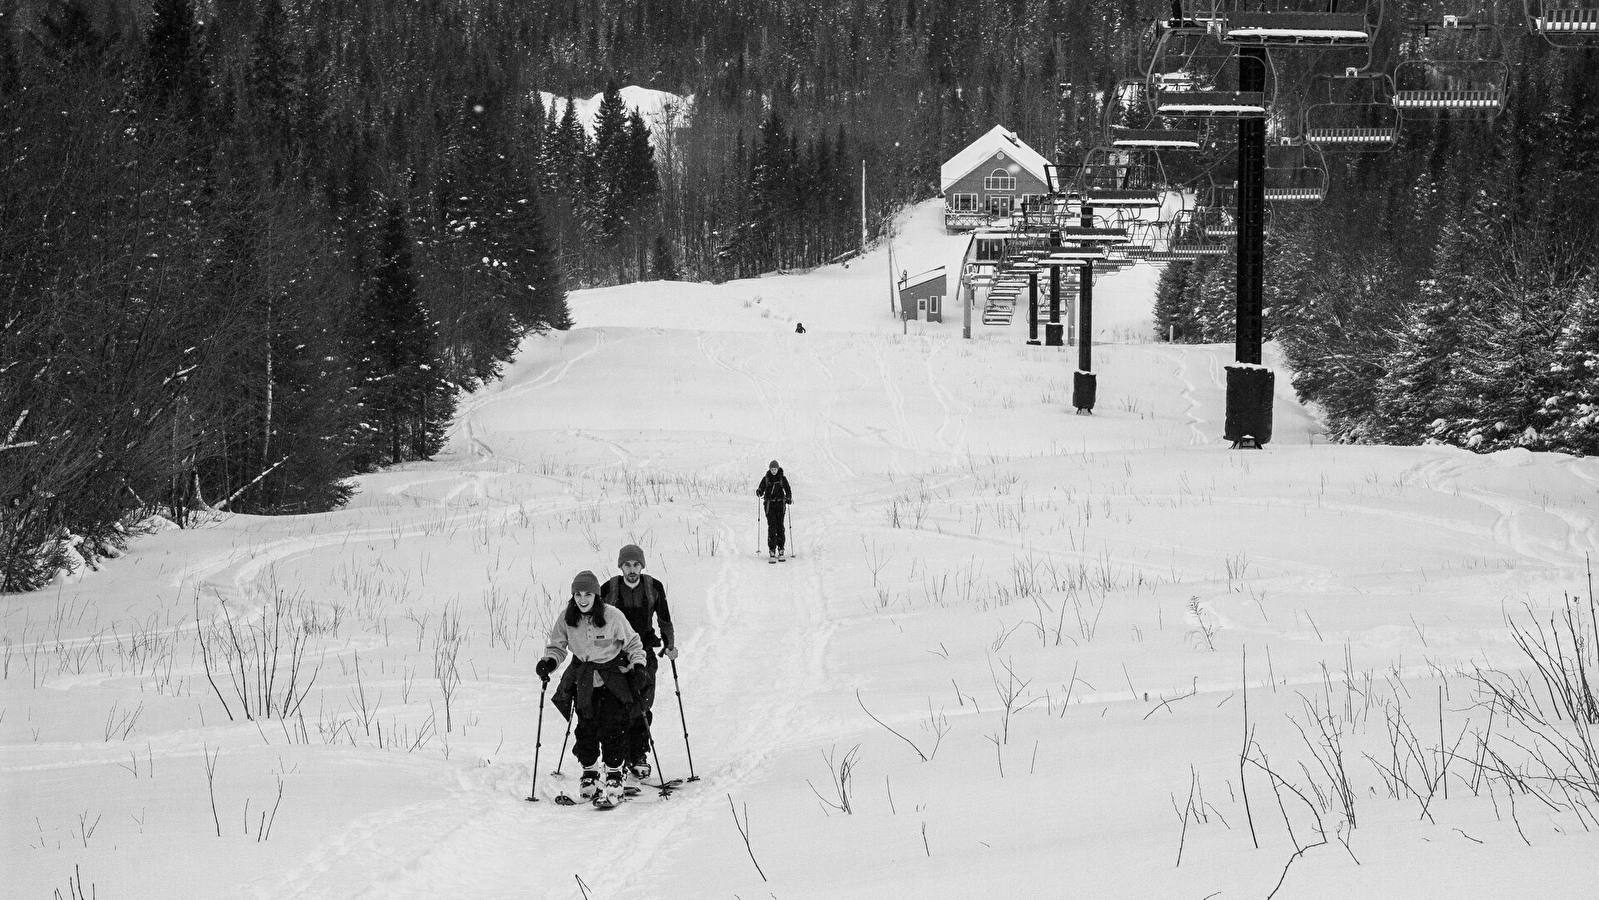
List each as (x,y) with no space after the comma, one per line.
(638,727)
(603,732)
(774,526)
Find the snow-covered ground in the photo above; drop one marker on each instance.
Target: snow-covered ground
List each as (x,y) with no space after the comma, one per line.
(1015,643)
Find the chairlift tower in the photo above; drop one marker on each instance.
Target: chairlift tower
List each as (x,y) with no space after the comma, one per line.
(1255,27)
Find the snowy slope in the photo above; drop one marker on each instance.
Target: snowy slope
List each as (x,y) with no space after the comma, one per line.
(1015,640)
(661,110)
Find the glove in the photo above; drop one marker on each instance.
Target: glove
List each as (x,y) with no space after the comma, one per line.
(787,502)
(639,680)
(669,652)
(544,668)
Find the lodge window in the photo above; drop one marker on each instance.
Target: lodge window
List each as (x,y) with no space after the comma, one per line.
(1034,202)
(963,202)
(999,180)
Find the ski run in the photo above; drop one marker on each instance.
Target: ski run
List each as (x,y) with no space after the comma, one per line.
(1015,651)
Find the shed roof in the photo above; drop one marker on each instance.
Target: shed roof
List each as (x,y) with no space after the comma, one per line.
(998,139)
(922,278)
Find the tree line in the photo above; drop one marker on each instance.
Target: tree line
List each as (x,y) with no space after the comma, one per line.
(252,247)
(249,248)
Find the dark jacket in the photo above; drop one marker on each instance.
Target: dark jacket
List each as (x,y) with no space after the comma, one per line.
(643,606)
(775,487)
(577,686)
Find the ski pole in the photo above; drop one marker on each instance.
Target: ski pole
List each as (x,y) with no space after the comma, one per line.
(562,758)
(658,776)
(791,546)
(686,748)
(538,741)
(760,511)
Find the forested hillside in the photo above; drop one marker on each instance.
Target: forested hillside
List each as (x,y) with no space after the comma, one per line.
(249,248)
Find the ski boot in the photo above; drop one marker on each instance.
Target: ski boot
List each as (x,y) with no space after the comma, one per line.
(780,555)
(589,787)
(611,793)
(639,770)
(771,557)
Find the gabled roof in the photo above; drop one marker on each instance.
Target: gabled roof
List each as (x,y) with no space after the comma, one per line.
(999,139)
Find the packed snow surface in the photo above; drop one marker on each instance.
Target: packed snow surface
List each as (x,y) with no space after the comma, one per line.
(1012,655)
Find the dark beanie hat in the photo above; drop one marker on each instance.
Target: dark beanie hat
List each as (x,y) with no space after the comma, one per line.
(630,553)
(585,581)
(773,465)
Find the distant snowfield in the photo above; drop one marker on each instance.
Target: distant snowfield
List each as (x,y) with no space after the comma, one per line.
(660,110)
(1015,643)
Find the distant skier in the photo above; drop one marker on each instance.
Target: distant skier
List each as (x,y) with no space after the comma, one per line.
(601,687)
(775,491)
(799,327)
(642,599)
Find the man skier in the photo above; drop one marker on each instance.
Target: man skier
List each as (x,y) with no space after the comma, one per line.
(642,599)
(777,494)
(601,686)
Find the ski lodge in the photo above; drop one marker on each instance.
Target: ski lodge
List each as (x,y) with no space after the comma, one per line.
(993,177)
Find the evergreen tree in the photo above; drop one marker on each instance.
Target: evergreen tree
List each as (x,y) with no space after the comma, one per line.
(1420,395)
(408,402)
(662,266)
(771,187)
(1174,318)
(642,181)
(607,168)
(10,73)
(272,79)
(1567,418)
(175,68)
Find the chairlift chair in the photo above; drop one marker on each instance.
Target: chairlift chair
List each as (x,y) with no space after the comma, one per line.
(1131,122)
(1189,236)
(1120,178)
(1141,238)
(1454,66)
(1564,23)
(1295,173)
(1352,113)
(1300,23)
(1195,76)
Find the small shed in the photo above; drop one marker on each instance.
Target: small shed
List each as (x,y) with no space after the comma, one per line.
(922,296)
(993,177)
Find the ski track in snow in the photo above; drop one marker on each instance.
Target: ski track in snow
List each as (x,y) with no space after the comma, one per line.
(761,646)
(829,417)
(955,412)
(896,401)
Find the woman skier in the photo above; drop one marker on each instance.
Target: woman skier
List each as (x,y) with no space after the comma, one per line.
(603,686)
